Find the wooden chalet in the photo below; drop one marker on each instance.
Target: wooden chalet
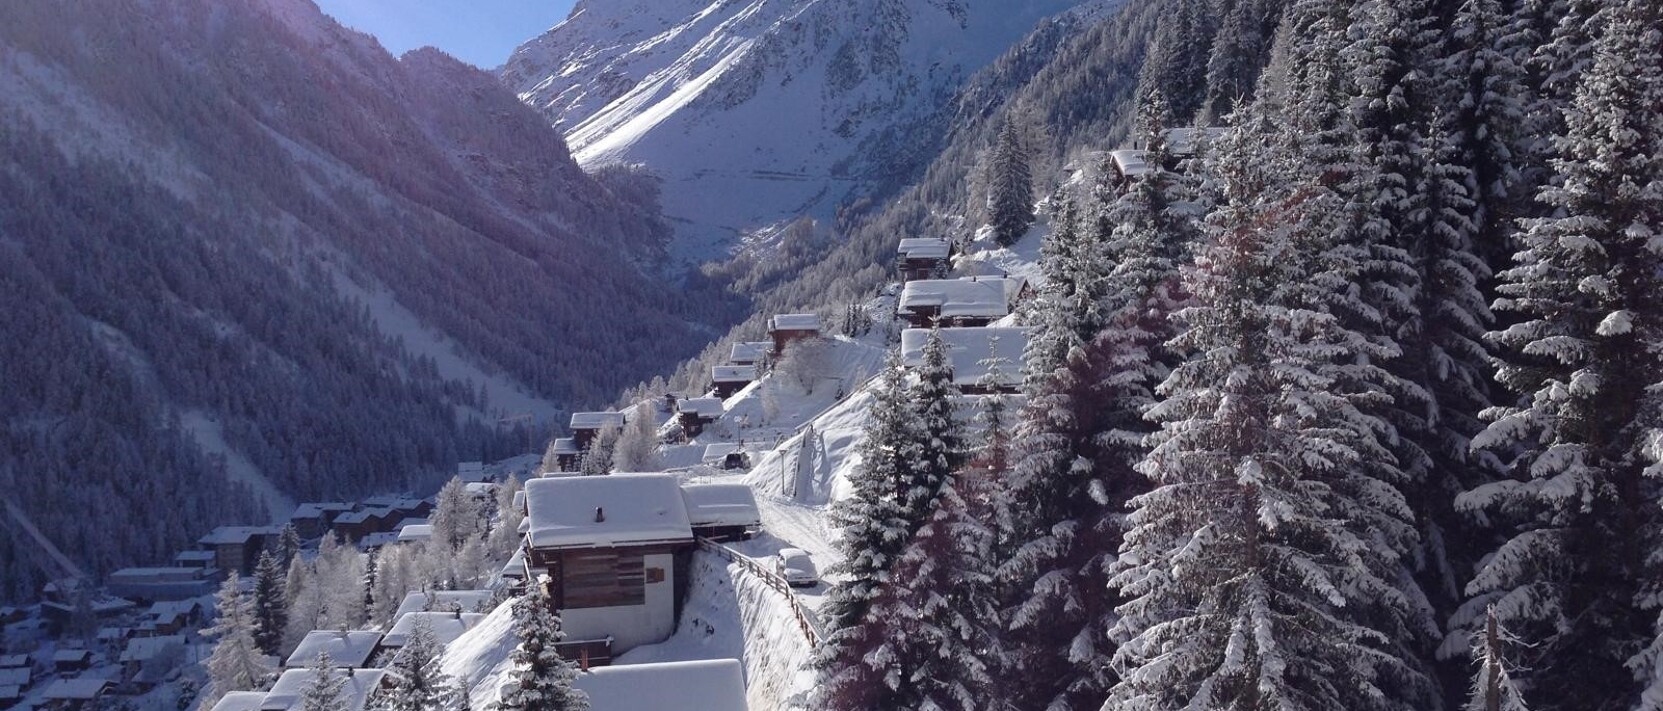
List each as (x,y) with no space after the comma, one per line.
(749,352)
(923,258)
(312,520)
(725,380)
(566,454)
(586,426)
(722,512)
(984,360)
(614,554)
(965,302)
(237,548)
(787,328)
(694,413)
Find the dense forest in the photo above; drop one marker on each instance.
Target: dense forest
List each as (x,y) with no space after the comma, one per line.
(1358,411)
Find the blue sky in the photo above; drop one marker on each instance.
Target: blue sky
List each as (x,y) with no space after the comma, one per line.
(481,32)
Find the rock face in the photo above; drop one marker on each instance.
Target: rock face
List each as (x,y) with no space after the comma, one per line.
(756,111)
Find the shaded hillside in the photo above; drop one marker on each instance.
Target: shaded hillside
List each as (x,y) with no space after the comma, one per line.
(236,232)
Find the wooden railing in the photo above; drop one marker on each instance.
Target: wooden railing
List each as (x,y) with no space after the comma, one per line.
(805,617)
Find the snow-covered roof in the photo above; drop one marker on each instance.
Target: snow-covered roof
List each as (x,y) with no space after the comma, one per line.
(235,534)
(701,406)
(989,297)
(167,608)
(794,322)
(721,505)
(240,701)
(377,539)
(596,420)
(412,534)
(633,509)
(316,509)
(469,600)
(1185,141)
(144,649)
(718,684)
(447,626)
(16,676)
(480,488)
(566,445)
(1131,162)
(748,352)
(345,648)
(71,655)
(733,373)
(8,661)
(715,453)
(13,692)
(193,557)
(924,248)
(76,689)
(286,693)
(968,349)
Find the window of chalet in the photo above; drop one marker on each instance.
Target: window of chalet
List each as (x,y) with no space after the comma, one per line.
(604,579)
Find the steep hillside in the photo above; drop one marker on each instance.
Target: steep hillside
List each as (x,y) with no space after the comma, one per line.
(243,249)
(754,113)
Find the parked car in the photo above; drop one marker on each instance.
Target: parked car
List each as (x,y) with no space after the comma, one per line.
(796,567)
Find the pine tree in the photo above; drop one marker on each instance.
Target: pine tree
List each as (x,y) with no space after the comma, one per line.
(1484,86)
(418,683)
(236,663)
(596,459)
(637,447)
(542,680)
(873,525)
(324,691)
(456,515)
(271,608)
(934,399)
(1176,63)
(1010,185)
(1571,580)
(936,623)
(288,544)
(1258,569)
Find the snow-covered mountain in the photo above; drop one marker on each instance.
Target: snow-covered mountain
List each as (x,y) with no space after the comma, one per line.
(757,111)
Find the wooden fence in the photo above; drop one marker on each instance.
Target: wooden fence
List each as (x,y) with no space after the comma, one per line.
(805,617)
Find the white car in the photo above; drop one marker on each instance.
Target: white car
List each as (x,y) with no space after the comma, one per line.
(796,567)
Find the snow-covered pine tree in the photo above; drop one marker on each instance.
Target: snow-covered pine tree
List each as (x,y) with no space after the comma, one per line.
(1010,185)
(339,583)
(1572,579)
(288,544)
(1056,528)
(542,680)
(1257,569)
(873,527)
(305,598)
(934,400)
(323,693)
(936,622)
(271,608)
(1493,688)
(1240,48)
(505,534)
(1176,63)
(1483,87)
(236,664)
(418,682)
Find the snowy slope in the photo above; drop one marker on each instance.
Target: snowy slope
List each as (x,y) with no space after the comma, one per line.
(756,111)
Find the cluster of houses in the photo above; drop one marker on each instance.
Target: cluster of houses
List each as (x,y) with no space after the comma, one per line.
(985,358)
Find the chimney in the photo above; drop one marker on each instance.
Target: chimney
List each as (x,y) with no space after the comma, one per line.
(600,515)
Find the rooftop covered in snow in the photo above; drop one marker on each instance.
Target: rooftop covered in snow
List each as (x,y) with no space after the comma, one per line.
(794,322)
(415,533)
(81,689)
(717,684)
(345,648)
(721,505)
(733,373)
(924,248)
(287,692)
(443,600)
(446,626)
(985,297)
(225,535)
(606,511)
(710,407)
(240,701)
(749,352)
(969,350)
(596,420)
(566,445)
